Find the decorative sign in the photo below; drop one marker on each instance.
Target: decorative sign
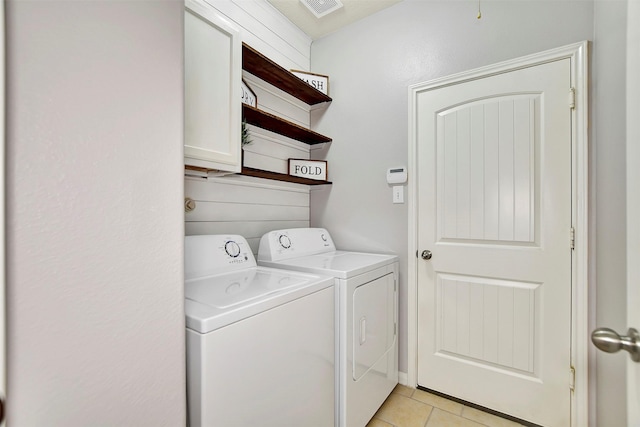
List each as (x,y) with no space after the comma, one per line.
(312,169)
(248,96)
(318,81)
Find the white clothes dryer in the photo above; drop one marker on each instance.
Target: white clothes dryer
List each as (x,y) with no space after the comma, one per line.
(367,301)
(260,341)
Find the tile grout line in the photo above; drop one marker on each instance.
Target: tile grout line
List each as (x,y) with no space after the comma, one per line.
(461,415)
(426,423)
(429,417)
(442,409)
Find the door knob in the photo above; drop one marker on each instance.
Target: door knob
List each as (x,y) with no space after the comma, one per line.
(426,254)
(609,341)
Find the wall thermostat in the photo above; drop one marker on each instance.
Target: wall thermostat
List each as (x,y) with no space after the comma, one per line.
(397,175)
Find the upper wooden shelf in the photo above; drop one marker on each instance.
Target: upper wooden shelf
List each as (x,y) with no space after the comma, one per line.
(264,68)
(273,123)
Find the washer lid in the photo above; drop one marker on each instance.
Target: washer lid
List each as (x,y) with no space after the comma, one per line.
(340,264)
(227,290)
(218,300)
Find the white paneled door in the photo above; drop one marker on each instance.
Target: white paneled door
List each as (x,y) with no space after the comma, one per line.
(494,209)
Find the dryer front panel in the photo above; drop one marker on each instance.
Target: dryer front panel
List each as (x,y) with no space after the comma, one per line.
(374,326)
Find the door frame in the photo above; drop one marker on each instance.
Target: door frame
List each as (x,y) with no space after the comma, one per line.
(3,243)
(580,321)
(633,204)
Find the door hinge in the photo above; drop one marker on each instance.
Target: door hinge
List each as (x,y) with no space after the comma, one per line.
(572,378)
(572,238)
(572,98)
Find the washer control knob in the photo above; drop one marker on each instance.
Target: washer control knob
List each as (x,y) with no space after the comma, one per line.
(232,249)
(285,242)
(323,237)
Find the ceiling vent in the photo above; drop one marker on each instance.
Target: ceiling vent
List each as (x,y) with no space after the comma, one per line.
(321,8)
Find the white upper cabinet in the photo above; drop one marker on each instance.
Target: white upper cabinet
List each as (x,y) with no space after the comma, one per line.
(212,78)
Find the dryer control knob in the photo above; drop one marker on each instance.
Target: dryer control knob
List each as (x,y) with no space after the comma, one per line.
(232,249)
(285,242)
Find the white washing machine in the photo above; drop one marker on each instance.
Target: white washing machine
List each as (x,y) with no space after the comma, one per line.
(367,301)
(260,341)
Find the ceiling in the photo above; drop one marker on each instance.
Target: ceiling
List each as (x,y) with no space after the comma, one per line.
(352,11)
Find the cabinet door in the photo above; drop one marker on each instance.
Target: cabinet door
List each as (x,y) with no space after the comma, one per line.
(212,76)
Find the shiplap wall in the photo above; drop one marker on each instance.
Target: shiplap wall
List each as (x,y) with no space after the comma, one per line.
(269,150)
(251,206)
(244,205)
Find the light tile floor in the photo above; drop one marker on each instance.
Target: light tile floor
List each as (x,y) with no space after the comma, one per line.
(409,407)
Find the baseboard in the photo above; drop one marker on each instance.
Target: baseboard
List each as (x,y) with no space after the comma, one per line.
(404,379)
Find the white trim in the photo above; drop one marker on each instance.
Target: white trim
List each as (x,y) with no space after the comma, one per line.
(633,200)
(402,379)
(580,287)
(580,352)
(3,286)
(412,241)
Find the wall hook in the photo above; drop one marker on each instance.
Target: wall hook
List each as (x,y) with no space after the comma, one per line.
(189,204)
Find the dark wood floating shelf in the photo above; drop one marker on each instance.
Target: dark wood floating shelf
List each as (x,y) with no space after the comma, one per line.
(260,66)
(273,123)
(259,173)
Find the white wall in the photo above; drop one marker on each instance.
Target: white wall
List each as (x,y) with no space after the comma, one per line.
(370,65)
(608,208)
(94,221)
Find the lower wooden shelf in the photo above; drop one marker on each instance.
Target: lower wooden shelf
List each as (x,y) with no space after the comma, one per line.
(264,120)
(259,173)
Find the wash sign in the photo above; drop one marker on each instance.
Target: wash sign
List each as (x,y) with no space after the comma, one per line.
(318,81)
(312,169)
